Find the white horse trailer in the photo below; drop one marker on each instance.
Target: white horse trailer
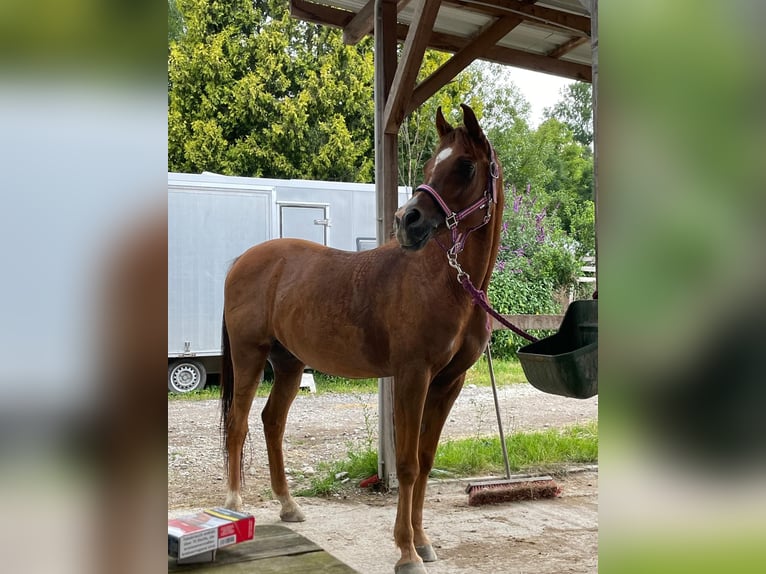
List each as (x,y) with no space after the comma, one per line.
(212,219)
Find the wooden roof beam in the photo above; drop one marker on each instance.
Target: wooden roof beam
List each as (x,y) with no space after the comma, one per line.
(329,16)
(566,47)
(517,58)
(531,12)
(474,49)
(320,14)
(407,70)
(362,23)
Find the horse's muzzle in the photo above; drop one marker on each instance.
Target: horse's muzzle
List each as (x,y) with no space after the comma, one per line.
(412,227)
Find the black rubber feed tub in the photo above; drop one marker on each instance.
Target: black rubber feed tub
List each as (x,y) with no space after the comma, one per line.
(566,363)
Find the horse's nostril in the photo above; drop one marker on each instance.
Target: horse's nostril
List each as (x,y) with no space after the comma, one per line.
(411,217)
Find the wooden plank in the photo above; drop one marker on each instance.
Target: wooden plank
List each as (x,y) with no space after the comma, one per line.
(475,48)
(386,156)
(320,14)
(566,47)
(596,125)
(526,322)
(360,25)
(275,548)
(386,190)
(517,58)
(530,12)
(310,563)
(363,23)
(409,64)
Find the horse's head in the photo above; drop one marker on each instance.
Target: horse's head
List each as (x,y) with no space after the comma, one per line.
(458,177)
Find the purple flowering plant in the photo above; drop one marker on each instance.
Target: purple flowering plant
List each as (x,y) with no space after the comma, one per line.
(535,259)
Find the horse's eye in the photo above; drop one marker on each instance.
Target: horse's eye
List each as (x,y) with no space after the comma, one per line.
(467,168)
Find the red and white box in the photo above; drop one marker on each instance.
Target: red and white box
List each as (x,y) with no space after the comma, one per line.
(207,531)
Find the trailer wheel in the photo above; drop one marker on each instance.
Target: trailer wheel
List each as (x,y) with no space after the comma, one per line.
(185,376)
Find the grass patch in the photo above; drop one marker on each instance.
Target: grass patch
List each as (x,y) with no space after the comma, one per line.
(527,451)
(339,385)
(539,450)
(211,392)
(359,465)
(506,372)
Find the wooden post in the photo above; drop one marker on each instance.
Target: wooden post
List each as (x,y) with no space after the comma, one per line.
(386,191)
(594,64)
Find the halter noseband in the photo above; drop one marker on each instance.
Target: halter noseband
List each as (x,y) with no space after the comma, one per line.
(453,218)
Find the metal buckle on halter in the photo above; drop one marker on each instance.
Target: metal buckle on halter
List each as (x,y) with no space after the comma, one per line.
(494,173)
(451,220)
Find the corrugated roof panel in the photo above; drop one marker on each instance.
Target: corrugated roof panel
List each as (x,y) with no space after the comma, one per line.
(534,35)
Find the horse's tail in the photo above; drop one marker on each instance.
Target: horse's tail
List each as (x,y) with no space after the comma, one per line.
(227,389)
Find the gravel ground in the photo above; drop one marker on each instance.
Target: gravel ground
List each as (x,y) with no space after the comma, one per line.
(545,536)
(324,427)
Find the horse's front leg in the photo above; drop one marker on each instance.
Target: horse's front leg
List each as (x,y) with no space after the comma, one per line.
(441,396)
(409,397)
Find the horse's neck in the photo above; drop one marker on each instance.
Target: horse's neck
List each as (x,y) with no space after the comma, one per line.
(480,253)
(478,259)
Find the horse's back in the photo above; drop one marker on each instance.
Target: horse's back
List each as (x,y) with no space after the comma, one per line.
(316,301)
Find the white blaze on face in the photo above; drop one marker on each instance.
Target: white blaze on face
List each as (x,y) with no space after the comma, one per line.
(443,154)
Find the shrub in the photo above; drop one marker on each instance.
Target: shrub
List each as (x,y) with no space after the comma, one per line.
(536,259)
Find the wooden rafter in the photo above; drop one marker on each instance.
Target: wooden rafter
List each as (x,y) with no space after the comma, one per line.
(517,58)
(409,63)
(475,48)
(329,16)
(529,12)
(559,51)
(362,23)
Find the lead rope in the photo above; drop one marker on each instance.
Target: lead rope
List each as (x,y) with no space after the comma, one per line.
(479,297)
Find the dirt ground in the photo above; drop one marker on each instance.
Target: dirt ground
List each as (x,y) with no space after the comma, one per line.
(544,536)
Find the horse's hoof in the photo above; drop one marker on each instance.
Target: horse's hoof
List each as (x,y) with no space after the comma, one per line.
(293,516)
(427,553)
(410,568)
(233,502)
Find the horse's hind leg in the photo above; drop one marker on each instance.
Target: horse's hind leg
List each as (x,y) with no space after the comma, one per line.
(248,365)
(441,396)
(287,380)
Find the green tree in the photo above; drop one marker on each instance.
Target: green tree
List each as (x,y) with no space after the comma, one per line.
(575,109)
(255,92)
(417,135)
(175,22)
(549,158)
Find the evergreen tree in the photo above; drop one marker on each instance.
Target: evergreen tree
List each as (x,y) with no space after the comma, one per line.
(255,92)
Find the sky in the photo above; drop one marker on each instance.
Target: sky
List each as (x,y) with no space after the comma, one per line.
(541,90)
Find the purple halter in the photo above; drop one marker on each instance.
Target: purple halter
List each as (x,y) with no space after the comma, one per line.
(453,218)
(458,242)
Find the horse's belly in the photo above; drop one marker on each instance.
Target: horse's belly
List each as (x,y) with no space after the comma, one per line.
(341,351)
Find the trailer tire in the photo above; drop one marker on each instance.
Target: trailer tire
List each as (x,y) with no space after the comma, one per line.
(185,376)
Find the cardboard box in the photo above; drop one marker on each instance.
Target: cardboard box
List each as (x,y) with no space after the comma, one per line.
(206,531)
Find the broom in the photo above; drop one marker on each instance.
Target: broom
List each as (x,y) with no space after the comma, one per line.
(521,487)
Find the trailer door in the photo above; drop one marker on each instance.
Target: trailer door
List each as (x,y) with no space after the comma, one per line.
(304,221)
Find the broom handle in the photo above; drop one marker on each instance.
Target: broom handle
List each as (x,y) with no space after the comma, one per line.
(497,411)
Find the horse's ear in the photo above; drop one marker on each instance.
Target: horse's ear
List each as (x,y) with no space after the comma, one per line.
(472,124)
(441,124)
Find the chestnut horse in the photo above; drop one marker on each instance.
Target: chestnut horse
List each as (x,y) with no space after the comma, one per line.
(398,310)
